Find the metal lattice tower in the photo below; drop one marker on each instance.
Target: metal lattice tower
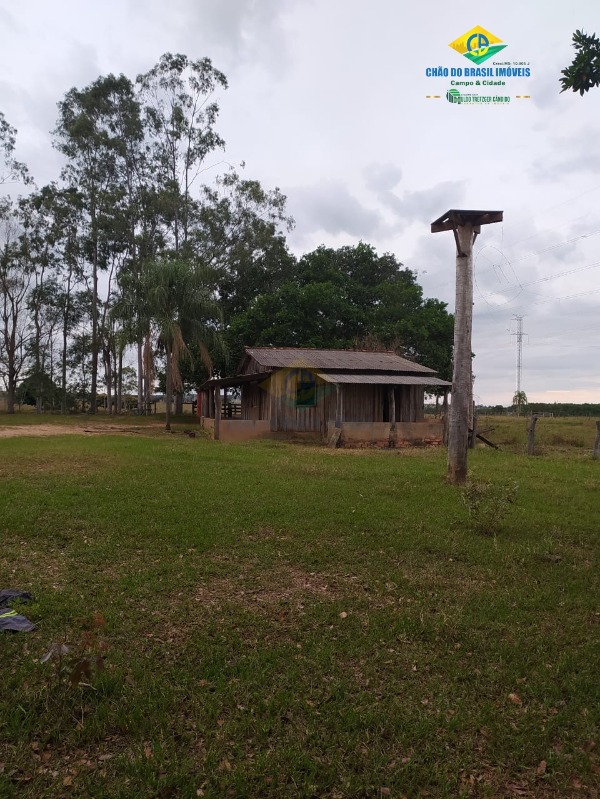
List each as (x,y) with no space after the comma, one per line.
(519,334)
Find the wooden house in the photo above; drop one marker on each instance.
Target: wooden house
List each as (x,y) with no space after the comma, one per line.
(354,396)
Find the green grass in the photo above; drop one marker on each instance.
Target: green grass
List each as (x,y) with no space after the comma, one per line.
(290,621)
(552,435)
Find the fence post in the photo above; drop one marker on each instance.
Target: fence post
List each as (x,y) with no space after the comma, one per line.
(596,452)
(531,439)
(217,427)
(473,433)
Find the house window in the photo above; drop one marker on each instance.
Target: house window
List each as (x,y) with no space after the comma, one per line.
(306,390)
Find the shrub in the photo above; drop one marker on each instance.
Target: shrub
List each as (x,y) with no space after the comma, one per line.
(488,504)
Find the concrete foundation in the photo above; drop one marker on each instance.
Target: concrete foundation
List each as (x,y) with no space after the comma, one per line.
(353,434)
(242,429)
(379,434)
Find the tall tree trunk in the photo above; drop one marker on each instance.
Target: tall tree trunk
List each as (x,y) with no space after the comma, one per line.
(52,367)
(169,389)
(179,403)
(38,363)
(95,342)
(11,369)
(140,371)
(149,372)
(108,378)
(11,385)
(65,335)
(120,381)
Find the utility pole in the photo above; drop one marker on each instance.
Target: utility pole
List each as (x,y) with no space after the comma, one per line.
(466,225)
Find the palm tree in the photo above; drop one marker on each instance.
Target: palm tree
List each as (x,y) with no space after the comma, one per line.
(178,297)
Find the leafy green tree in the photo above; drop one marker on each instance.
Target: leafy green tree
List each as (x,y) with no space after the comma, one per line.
(236,229)
(79,360)
(15,287)
(37,386)
(95,130)
(344,298)
(239,232)
(519,402)
(179,118)
(12,171)
(584,73)
(39,240)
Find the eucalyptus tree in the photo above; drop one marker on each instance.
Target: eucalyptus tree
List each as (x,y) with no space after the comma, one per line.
(179,303)
(15,285)
(67,210)
(11,171)
(180,112)
(39,238)
(180,109)
(52,221)
(240,231)
(98,130)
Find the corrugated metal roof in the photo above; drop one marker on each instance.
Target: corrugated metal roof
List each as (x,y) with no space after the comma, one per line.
(237,380)
(387,380)
(280,357)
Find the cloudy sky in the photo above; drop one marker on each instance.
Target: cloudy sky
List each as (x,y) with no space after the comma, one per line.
(327,99)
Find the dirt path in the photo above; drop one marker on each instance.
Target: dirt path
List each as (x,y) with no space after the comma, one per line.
(66,430)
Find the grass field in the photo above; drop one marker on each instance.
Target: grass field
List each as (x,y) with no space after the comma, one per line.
(290,621)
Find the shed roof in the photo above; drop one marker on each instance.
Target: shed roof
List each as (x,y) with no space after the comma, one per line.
(356,360)
(237,380)
(380,379)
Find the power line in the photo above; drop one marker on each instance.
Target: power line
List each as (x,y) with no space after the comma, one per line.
(523,286)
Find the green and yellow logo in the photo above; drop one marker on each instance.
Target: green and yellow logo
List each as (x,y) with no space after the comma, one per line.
(477,45)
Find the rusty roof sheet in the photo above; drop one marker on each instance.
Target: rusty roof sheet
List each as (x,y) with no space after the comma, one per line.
(304,357)
(384,380)
(236,380)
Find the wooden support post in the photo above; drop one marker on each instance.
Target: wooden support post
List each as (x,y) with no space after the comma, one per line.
(392,414)
(445,418)
(273,402)
(339,405)
(458,436)
(596,452)
(531,437)
(473,433)
(217,434)
(465,225)
(334,437)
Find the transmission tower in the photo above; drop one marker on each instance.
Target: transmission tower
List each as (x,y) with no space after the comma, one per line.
(519,335)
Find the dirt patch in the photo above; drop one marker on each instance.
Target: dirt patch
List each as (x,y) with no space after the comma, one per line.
(45,430)
(260,591)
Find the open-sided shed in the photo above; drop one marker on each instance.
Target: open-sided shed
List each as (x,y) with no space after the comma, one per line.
(348,394)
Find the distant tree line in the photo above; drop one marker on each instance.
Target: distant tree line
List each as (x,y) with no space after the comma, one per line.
(150,245)
(555,408)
